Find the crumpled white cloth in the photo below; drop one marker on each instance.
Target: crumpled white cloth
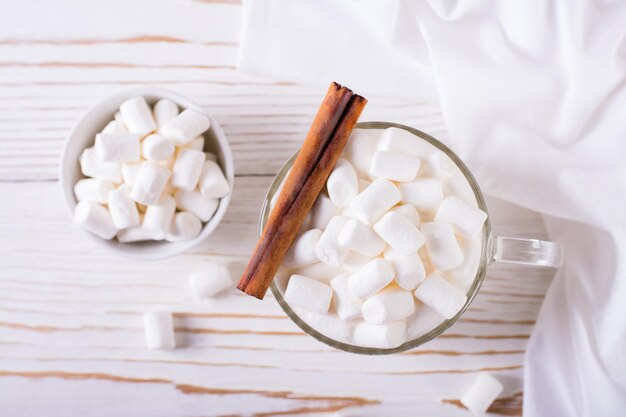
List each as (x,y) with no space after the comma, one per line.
(534,99)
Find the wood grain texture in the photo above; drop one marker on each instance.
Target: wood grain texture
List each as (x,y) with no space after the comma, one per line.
(71,335)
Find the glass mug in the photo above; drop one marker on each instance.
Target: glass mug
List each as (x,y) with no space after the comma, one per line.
(494,249)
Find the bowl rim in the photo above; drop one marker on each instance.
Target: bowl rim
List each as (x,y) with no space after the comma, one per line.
(486,249)
(129,249)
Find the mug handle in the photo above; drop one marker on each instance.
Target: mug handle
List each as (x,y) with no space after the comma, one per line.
(526,252)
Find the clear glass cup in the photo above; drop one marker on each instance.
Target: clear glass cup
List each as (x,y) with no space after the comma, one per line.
(494,249)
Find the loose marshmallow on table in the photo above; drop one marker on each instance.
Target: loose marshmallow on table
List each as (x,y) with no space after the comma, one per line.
(150,183)
(371,278)
(395,166)
(443,297)
(157,148)
(466,219)
(196,203)
(308,293)
(210,280)
(159,216)
(123,209)
(187,169)
(409,211)
(425,194)
(184,226)
(399,232)
(159,328)
(443,248)
(385,336)
(115,127)
(409,269)
(213,184)
(95,218)
(360,237)
(186,126)
(118,147)
(130,172)
(198,145)
(303,249)
(483,392)
(137,116)
(93,189)
(342,184)
(375,200)
(92,166)
(323,210)
(163,111)
(395,139)
(347,306)
(328,248)
(388,305)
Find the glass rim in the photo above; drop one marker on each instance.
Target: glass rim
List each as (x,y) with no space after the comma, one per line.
(471,293)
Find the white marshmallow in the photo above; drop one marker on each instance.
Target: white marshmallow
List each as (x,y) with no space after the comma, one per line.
(375,200)
(385,336)
(444,251)
(118,147)
(185,226)
(210,280)
(164,110)
(323,210)
(123,209)
(319,271)
(388,305)
(439,165)
(115,127)
(395,166)
(92,166)
(303,249)
(118,118)
(355,260)
(409,269)
(187,169)
(95,218)
(196,203)
(137,116)
(459,186)
(93,189)
(186,126)
(158,217)
(309,294)
(332,326)
(135,234)
(210,157)
(150,183)
(159,329)
(130,172)
(198,145)
(398,140)
(399,232)
(466,219)
(342,184)
(358,236)
(425,194)
(347,306)
(213,184)
(483,392)
(360,149)
(157,148)
(328,248)
(371,278)
(443,297)
(409,211)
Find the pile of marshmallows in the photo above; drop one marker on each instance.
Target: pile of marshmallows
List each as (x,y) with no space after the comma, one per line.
(381,228)
(148,177)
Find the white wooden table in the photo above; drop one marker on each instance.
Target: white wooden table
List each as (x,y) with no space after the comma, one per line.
(71,336)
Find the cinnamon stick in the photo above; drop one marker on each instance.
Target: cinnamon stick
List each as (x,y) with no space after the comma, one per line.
(324,143)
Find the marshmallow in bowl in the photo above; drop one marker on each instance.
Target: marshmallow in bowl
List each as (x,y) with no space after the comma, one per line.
(401,252)
(149,176)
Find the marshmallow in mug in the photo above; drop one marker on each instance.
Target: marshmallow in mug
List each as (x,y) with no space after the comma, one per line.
(148,177)
(384,243)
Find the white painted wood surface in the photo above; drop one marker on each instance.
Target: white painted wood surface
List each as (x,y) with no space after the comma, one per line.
(71,340)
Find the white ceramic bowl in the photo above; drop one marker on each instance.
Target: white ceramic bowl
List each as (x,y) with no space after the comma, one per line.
(83,135)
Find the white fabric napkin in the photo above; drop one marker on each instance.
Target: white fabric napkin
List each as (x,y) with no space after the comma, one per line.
(534,99)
